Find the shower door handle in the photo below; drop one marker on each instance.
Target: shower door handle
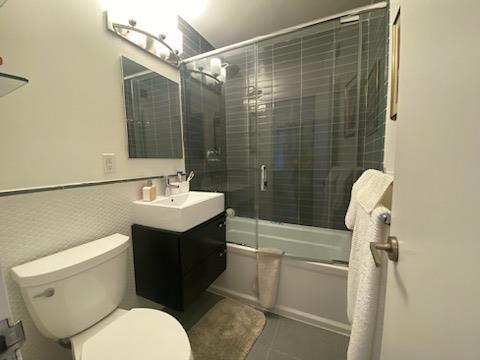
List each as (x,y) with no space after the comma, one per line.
(263,178)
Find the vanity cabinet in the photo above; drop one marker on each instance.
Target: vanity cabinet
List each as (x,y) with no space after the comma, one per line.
(173,268)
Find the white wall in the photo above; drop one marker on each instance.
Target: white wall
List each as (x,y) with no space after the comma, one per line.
(53,130)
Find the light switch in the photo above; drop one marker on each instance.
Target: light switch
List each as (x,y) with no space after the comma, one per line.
(108,163)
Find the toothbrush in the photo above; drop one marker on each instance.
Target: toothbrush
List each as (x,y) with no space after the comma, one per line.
(190,176)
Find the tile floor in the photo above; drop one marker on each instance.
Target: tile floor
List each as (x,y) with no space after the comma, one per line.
(281,339)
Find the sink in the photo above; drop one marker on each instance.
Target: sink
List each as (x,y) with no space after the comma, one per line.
(180,212)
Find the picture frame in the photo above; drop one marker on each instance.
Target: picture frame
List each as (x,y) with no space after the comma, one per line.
(394,67)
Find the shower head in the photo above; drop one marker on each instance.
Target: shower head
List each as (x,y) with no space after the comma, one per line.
(232,71)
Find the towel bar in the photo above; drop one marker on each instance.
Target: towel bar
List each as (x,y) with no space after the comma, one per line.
(390,247)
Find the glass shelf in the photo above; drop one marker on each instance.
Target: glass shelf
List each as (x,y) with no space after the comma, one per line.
(9,83)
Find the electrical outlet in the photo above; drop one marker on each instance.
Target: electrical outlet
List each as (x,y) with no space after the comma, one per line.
(108,163)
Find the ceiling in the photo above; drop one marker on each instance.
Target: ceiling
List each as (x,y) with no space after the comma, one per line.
(225,22)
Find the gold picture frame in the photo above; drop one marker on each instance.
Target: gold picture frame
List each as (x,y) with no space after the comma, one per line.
(394,66)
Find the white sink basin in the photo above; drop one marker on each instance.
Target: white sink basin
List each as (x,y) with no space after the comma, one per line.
(178,212)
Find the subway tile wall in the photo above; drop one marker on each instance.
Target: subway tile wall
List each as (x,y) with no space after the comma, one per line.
(193,42)
(377,88)
(204,133)
(310,106)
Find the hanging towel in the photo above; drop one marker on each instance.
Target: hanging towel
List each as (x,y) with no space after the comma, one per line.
(268,274)
(364,279)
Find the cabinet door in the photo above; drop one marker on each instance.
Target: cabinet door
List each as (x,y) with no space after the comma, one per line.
(157,265)
(203,275)
(202,241)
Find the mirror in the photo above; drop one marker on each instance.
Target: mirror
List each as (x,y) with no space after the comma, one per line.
(152,108)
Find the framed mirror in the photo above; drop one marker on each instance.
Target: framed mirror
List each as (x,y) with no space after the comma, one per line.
(152,111)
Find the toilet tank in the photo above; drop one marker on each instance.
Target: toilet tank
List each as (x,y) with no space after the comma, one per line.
(69,291)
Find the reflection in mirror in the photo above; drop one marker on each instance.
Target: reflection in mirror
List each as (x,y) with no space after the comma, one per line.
(152,106)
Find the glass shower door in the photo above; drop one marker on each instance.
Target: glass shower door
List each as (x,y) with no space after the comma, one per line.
(219,133)
(308,138)
(286,128)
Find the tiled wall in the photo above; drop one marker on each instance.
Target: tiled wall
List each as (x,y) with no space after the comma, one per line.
(240,111)
(376,105)
(39,224)
(310,106)
(204,133)
(203,120)
(193,42)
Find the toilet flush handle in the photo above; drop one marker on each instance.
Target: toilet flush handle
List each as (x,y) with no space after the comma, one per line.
(45,293)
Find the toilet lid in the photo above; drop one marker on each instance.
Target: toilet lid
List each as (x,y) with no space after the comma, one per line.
(139,334)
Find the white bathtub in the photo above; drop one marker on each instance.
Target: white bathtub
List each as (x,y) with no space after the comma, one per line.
(306,242)
(311,292)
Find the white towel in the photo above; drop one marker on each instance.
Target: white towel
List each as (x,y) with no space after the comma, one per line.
(364,285)
(268,275)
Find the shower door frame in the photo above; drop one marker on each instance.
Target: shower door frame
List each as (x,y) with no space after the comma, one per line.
(352,12)
(252,116)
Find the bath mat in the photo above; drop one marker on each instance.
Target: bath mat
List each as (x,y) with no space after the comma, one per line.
(226,331)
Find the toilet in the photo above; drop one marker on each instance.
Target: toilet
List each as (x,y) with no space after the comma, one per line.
(74,296)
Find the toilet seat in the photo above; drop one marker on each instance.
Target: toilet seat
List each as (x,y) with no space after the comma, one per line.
(139,334)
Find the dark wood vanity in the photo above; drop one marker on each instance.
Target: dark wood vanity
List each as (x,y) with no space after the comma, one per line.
(173,268)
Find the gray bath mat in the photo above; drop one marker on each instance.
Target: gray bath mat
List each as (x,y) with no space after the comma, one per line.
(226,331)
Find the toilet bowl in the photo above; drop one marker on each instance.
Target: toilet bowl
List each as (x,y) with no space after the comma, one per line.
(74,295)
(133,334)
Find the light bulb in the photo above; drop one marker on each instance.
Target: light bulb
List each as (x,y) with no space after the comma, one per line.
(223,74)
(215,66)
(137,38)
(161,50)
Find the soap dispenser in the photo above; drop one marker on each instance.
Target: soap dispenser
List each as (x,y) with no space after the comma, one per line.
(149,192)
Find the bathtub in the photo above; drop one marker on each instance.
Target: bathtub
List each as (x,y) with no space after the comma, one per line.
(306,242)
(311,292)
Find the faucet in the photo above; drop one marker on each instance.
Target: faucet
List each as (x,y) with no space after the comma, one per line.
(168,186)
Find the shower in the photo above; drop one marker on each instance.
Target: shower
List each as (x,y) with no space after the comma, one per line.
(306,107)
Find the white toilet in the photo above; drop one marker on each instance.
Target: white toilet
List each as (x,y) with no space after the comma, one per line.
(75,294)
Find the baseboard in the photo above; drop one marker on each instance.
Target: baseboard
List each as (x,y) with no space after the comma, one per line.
(285,311)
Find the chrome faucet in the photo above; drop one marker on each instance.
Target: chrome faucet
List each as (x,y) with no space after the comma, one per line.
(169,186)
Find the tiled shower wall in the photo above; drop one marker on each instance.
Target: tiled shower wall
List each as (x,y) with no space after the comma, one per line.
(311,108)
(204,133)
(193,42)
(376,106)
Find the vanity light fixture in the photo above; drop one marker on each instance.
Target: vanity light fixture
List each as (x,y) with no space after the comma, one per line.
(156,45)
(218,70)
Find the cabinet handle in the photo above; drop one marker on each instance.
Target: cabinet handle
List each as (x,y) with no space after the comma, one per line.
(222,252)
